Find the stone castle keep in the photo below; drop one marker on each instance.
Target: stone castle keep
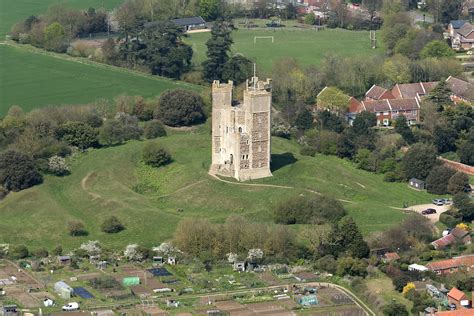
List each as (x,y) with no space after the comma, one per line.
(241,131)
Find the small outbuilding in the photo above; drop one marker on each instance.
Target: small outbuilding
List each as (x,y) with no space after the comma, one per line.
(417,267)
(47,302)
(63,289)
(308,300)
(417,184)
(64,260)
(191,23)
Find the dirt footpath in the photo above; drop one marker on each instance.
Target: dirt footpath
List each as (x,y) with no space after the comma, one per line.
(433,217)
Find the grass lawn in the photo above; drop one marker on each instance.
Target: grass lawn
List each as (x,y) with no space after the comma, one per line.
(12,11)
(382,287)
(150,202)
(31,79)
(307,46)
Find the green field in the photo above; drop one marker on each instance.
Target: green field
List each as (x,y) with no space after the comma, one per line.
(107,181)
(32,79)
(12,11)
(307,46)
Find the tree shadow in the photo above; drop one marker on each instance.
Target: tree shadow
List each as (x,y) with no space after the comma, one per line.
(281,160)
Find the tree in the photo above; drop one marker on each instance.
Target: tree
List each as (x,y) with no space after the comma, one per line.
(440,95)
(41,253)
(438,178)
(209,9)
(154,129)
(444,138)
(397,69)
(351,266)
(123,127)
(58,165)
(308,209)
(237,68)
(180,107)
(91,247)
(54,37)
(436,49)
(402,128)
(304,120)
(218,48)
(395,309)
(310,19)
(394,28)
(466,153)
(111,225)
(333,99)
(155,155)
(17,171)
(19,252)
(419,160)
(363,122)
(78,134)
(76,228)
(459,182)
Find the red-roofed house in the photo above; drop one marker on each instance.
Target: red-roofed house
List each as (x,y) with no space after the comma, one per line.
(455,297)
(378,93)
(462,91)
(413,90)
(459,312)
(390,256)
(452,265)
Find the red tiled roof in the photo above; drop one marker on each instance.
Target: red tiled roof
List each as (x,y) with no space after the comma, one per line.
(375,92)
(457,294)
(459,233)
(461,88)
(376,106)
(391,256)
(444,241)
(355,106)
(456,262)
(412,90)
(404,104)
(459,312)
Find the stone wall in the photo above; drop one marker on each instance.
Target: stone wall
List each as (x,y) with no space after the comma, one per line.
(458,166)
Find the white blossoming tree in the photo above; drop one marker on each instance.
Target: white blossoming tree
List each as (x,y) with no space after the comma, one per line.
(58,165)
(133,253)
(255,254)
(92,247)
(232,257)
(167,249)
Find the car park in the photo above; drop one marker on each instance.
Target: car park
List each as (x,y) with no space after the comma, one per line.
(428,211)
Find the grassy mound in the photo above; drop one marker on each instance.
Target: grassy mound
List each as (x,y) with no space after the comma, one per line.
(150,202)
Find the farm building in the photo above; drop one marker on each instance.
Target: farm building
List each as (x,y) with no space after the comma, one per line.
(63,289)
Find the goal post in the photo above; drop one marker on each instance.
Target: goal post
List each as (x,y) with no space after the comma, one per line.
(263,37)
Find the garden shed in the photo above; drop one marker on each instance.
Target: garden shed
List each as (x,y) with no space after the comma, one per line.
(417,184)
(63,289)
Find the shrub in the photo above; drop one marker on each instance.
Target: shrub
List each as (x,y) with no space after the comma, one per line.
(180,108)
(154,129)
(155,155)
(41,253)
(308,151)
(78,134)
(438,178)
(122,128)
(395,309)
(449,220)
(112,225)
(19,252)
(76,228)
(17,171)
(58,166)
(459,182)
(305,210)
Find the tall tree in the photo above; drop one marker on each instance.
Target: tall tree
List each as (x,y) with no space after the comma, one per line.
(419,160)
(440,95)
(218,48)
(17,171)
(402,128)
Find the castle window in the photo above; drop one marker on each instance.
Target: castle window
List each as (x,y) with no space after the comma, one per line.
(243,156)
(240,129)
(231,159)
(227,130)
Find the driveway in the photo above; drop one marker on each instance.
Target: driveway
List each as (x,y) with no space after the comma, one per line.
(433,217)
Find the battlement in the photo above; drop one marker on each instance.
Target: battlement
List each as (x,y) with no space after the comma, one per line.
(218,85)
(255,84)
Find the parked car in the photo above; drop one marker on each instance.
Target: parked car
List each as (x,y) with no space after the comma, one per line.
(71,307)
(428,211)
(438,202)
(446,201)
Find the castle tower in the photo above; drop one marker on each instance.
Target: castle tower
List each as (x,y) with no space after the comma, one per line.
(241,131)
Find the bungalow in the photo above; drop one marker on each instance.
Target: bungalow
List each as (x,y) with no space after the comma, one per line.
(457,298)
(189,24)
(456,235)
(452,265)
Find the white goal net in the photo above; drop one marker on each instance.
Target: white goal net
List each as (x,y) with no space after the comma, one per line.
(266,38)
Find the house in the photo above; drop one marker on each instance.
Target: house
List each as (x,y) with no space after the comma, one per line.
(417,267)
(462,91)
(413,90)
(387,110)
(390,256)
(461,34)
(417,184)
(459,312)
(63,289)
(457,298)
(189,24)
(64,260)
(456,235)
(452,265)
(378,93)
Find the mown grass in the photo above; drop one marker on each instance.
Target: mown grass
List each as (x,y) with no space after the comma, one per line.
(31,78)
(12,11)
(150,202)
(308,47)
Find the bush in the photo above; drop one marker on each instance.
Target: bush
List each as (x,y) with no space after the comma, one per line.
(449,220)
(41,253)
(78,134)
(76,228)
(308,151)
(17,171)
(124,127)
(58,166)
(459,182)
(154,129)
(438,178)
(180,108)
(112,225)
(306,210)
(155,155)
(19,252)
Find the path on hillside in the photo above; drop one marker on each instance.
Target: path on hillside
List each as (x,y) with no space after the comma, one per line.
(270,186)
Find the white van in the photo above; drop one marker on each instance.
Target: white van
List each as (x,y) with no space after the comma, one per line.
(71,307)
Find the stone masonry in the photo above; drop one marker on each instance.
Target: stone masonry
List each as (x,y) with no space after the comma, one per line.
(241,131)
